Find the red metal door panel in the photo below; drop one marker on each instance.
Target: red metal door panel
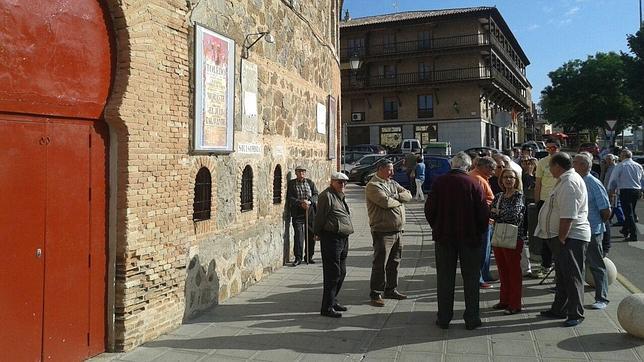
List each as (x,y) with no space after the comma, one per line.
(98,228)
(66,311)
(22,206)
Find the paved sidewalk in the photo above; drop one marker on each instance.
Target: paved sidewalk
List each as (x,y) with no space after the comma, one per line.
(278,319)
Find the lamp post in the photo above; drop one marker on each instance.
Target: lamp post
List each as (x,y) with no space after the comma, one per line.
(266,35)
(354,64)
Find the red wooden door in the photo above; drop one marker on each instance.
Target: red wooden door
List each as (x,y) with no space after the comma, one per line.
(67,235)
(53,232)
(22,236)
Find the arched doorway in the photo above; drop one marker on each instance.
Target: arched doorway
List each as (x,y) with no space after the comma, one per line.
(55,74)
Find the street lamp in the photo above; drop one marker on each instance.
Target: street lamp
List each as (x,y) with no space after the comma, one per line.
(248,44)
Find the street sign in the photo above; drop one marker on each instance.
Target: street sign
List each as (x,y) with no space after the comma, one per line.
(611,123)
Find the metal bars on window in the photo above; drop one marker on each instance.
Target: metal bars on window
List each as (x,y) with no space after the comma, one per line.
(277,185)
(203,194)
(247,189)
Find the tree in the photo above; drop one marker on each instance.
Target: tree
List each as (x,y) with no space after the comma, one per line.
(584,94)
(634,68)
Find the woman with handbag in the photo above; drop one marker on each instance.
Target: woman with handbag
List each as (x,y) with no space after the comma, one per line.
(507,240)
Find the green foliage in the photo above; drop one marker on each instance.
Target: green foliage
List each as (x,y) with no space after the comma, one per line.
(634,70)
(586,93)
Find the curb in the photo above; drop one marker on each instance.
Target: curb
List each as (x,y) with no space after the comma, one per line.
(627,284)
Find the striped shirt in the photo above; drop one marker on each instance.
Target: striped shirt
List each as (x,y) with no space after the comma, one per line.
(597,201)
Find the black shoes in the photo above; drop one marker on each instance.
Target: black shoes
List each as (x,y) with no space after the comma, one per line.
(394,294)
(551,314)
(573,322)
(473,325)
(297,262)
(500,306)
(311,261)
(339,307)
(442,325)
(331,313)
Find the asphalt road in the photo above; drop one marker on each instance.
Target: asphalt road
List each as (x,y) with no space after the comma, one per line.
(629,256)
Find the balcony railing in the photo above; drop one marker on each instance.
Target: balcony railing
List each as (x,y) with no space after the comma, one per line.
(361,82)
(405,47)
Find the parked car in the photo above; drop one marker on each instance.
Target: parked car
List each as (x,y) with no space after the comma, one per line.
(482,150)
(362,173)
(537,146)
(349,160)
(367,148)
(434,167)
(591,147)
(411,145)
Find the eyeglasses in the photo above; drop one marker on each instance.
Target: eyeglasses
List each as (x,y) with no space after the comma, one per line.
(551,147)
(344,182)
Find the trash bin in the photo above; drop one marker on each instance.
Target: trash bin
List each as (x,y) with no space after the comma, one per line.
(534,243)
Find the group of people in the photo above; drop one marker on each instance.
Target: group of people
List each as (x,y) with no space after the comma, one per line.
(463,208)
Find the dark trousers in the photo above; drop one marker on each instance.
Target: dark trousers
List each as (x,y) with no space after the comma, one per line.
(628,199)
(334,249)
(387,252)
(569,268)
(298,240)
(509,263)
(447,254)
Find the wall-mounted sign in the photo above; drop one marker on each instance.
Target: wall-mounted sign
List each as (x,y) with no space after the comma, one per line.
(249,97)
(214,91)
(321,118)
(249,148)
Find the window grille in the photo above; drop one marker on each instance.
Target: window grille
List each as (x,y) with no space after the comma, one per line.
(247,189)
(277,185)
(203,193)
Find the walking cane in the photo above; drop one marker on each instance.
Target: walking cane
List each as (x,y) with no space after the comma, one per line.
(306,235)
(546,277)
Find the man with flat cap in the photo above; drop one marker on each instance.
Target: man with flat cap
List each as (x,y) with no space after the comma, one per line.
(302,197)
(333,225)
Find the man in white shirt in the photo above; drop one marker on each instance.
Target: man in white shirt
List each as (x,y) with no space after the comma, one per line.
(627,177)
(563,222)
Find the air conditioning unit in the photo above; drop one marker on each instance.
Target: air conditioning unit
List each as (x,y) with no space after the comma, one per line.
(357,116)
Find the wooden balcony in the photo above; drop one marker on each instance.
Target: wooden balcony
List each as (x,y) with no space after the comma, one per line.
(356,82)
(415,46)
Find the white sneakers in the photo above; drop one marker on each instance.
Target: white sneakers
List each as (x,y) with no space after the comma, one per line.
(599,305)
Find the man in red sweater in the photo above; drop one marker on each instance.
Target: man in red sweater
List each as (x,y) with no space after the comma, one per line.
(458,214)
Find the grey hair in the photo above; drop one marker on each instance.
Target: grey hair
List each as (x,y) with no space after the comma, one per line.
(611,156)
(486,161)
(460,161)
(627,153)
(562,159)
(507,161)
(586,157)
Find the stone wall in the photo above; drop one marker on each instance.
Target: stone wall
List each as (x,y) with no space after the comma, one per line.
(169,268)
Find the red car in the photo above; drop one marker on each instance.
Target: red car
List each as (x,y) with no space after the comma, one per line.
(591,147)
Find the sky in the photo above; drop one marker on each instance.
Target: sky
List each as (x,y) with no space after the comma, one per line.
(550,32)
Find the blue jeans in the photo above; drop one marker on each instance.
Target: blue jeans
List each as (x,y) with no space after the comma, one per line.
(595,260)
(486,248)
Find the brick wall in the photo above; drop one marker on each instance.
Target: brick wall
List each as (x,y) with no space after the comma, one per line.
(168,268)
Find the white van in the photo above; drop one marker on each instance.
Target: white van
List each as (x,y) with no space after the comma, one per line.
(411,145)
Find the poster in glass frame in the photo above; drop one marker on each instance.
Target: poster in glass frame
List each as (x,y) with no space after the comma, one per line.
(214,91)
(333,118)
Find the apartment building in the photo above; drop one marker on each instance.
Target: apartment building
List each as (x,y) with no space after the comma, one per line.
(453,75)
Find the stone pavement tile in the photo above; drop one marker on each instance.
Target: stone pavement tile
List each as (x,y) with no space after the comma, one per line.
(216,330)
(419,357)
(276,355)
(607,346)
(514,359)
(191,329)
(472,345)
(509,347)
(229,355)
(384,356)
(551,349)
(143,354)
(319,357)
(564,359)
(424,345)
(453,357)
(177,355)
(108,357)
(553,334)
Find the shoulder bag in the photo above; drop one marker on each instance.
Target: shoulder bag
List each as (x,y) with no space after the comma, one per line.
(505,235)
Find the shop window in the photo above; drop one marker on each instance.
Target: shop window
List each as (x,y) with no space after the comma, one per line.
(247,189)
(277,185)
(203,194)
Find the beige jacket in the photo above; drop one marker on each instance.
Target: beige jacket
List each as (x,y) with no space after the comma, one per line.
(385,199)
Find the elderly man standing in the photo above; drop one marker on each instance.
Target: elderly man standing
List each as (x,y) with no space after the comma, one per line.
(302,197)
(627,178)
(598,213)
(563,222)
(385,206)
(333,225)
(611,162)
(484,169)
(456,200)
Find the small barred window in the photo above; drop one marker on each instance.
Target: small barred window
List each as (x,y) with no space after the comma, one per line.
(203,193)
(247,189)
(277,185)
